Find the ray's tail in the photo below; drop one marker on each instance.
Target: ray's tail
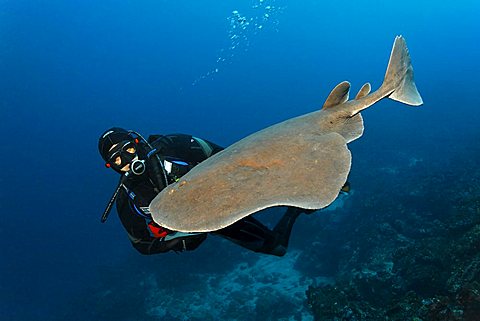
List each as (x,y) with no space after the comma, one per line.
(399,76)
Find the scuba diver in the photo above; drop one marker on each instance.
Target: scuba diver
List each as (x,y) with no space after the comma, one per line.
(147,167)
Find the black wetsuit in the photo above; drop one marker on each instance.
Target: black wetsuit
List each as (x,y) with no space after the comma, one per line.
(181,153)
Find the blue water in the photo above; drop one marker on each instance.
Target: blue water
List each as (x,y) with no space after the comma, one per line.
(71,69)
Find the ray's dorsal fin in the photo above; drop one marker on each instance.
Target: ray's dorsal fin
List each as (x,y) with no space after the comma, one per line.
(338,96)
(365,90)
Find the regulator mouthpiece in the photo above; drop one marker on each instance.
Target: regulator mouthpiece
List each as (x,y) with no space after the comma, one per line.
(138,167)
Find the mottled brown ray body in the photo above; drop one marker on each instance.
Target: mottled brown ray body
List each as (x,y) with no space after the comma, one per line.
(302,162)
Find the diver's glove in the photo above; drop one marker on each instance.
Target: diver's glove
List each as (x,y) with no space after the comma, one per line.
(158,231)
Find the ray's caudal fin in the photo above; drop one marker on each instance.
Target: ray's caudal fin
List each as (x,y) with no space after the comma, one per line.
(399,76)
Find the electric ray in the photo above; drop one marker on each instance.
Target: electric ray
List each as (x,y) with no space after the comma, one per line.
(301,162)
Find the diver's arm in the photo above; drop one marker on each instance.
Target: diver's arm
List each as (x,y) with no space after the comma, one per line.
(154,246)
(144,243)
(141,237)
(186,147)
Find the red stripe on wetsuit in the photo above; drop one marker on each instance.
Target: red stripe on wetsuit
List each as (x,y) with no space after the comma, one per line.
(158,231)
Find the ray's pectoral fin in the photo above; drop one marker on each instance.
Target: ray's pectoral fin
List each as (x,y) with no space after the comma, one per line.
(338,96)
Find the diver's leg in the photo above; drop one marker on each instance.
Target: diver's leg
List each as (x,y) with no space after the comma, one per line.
(253,235)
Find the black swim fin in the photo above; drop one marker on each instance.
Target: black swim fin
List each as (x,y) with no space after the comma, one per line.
(283,229)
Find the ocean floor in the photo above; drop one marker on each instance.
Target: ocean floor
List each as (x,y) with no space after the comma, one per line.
(269,289)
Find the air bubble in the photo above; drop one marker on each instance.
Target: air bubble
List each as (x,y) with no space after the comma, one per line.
(242,28)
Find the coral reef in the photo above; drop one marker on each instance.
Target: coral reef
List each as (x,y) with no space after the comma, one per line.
(411,251)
